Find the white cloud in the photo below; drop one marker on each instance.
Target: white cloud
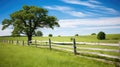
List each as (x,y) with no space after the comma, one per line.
(76,14)
(95,9)
(100,28)
(95,2)
(70,23)
(79,2)
(108,10)
(67,10)
(94,5)
(5,32)
(60,8)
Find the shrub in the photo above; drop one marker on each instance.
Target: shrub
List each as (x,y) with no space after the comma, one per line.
(50,35)
(76,35)
(38,33)
(71,39)
(59,35)
(101,35)
(93,34)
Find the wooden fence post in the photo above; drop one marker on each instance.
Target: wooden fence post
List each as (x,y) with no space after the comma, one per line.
(17,42)
(50,43)
(23,43)
(74,46)
(12,41)
(36,43)
(9,41)
(119,46)
(3,41)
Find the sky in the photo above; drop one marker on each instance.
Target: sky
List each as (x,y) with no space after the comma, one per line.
(81,17)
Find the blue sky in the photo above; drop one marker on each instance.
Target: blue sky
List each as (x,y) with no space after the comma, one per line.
(81,17)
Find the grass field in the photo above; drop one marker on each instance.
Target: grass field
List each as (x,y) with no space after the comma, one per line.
(26,56)
(110,38)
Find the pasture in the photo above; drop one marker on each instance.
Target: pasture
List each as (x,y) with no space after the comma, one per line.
(60,55)
(23,56)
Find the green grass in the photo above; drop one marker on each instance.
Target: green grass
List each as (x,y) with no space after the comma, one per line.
(27,56)
(110,38)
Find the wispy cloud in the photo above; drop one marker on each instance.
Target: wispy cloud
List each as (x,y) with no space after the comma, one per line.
(108,10)
(96,9)
(70,23)
(67,10)
(93,4)
(79,2)
(60,8)
(102,27)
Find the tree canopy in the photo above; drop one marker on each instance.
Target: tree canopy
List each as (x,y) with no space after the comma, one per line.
(76,34)
(28,19)
(38,33)
(101,35)
(50,35)
(93,34)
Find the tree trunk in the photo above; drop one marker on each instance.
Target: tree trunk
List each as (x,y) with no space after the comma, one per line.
(29,39)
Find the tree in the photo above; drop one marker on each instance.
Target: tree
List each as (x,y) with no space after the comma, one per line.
(38,33)
(93,34)
(101,35)
(50,35)
(59,35)
(76,34)
(28,19)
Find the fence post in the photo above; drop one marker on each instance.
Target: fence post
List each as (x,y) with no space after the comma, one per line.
(119,46)
(9,41)
(74,46)
(3,41)
(23,43)
(50,43)
(17,42)
(36,43)
(12,41)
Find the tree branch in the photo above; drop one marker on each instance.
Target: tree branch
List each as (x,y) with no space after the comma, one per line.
(24,22)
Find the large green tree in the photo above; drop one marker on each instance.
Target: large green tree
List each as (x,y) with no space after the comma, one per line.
(28,19)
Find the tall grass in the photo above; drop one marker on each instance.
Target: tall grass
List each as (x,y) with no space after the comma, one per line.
(26,56)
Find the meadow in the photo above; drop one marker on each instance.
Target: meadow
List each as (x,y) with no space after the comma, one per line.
(110,38)
(27,56)
(13,54)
